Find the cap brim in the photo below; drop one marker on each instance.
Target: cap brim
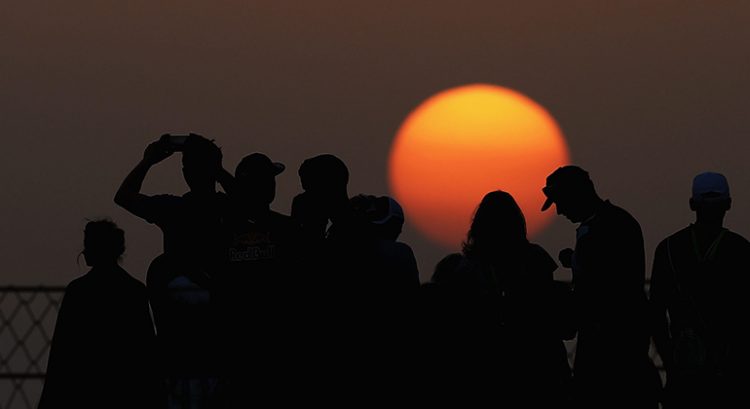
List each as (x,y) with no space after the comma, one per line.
(279,167)
(547,204)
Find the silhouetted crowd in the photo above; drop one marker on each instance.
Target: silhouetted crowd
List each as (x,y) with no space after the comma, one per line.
(247,306)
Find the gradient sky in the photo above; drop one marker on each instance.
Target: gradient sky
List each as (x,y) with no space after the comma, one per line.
(647,92)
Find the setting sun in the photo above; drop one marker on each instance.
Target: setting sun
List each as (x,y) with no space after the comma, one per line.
(464,142)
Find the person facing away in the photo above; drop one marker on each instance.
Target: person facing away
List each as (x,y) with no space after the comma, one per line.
(507,283)
(179,279)
(611,367)
(102,350)
(698,299)
(253,291)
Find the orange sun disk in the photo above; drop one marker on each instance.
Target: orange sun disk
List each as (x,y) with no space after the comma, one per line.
(464,142)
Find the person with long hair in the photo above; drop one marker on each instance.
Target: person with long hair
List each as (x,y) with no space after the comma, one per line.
(507,293)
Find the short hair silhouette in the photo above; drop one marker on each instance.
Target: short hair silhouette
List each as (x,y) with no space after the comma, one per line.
(325,171)
(446,270)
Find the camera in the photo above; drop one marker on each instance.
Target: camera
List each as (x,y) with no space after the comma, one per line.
(176,142)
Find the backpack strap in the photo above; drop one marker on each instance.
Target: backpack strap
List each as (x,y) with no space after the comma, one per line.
(681,292)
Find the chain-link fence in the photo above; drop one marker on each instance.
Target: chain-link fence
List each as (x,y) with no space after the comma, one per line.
(27,321)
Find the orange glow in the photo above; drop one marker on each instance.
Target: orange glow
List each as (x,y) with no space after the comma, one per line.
(464,142)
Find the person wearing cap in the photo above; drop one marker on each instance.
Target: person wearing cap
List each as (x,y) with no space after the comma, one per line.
(611,367)
(697,295)
(251,292)
(398,272)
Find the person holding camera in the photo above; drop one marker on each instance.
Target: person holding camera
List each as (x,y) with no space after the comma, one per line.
(178,280)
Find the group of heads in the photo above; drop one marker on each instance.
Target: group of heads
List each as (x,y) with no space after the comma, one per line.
(499,221)
(324,179)
(571,190)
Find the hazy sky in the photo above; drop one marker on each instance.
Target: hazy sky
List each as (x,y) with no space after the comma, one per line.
(648,93)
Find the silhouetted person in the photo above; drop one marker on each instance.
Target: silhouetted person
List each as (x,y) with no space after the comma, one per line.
(254,297)
(612,367)
(324,180)
(330,224)
(102,351)
(397,271)
(502,300)
(339,262)
(699,296)
(389,296)
(179,279)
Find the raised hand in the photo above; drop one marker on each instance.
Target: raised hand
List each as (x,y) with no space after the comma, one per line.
(156,152)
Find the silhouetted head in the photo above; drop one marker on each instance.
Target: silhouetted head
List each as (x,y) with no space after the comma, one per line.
(201,160)
(255,178)
(384,213)
(571,190)
(498,225)
(710,197)
(324,178)
(324,172)
(103,243)
(446,271)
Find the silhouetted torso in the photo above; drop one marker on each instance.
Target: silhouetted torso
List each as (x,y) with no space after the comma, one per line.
(191,225)
(179,280)
(253,290)
(492,329)
(699,281)
(102,352)
(611,360)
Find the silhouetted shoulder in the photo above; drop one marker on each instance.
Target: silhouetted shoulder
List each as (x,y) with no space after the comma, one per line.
(446,270)
(75,287)
(680,235)
(738,239)
(622,216)
(539,261)
(403,248)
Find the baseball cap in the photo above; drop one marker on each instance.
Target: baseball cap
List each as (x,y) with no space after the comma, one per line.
(257,164)
(564,179)
(386,209)
(709,187)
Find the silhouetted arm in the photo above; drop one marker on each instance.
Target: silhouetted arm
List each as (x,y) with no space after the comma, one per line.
(129,195)
(226,180)
(659,295)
